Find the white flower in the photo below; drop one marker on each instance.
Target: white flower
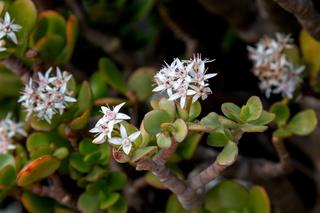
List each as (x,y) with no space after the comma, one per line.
(105,125)
(125,141)
(102,130)
(8,130)
(47,95)
(186,78)
(8,28)
(181,93)
(276,73)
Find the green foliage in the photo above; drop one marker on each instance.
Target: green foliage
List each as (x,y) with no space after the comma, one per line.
(141,82)
(230,196)
(36,204)
(228,154)
(152,121)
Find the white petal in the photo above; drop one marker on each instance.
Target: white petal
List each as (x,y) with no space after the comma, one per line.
(13,37)
(174,97)
(105,109)
(122,116)
(117,108)
(123,131)
(115,141)
(182,101)
(127,148)
(100,139)
(134,136)
(7,18)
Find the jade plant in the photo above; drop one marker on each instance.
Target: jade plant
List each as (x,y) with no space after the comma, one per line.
(135,137)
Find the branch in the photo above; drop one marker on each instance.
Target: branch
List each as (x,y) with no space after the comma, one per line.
(108,43)
(55,191)
(16,66)
(306,14)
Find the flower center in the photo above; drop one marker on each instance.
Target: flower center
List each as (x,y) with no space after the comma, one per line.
(110,115)
(126,142)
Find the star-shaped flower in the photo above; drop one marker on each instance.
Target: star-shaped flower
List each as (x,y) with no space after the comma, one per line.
(8,28)
(125,141)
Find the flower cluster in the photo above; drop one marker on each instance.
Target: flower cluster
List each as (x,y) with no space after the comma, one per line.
(7,30)
(8,130)
(110,121)
(47,95)
(277,74)
(184,78)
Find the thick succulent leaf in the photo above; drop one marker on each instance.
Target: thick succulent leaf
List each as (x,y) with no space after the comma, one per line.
(231,111)
(7,177)
(116,180)
(310,49)
(168,106)
(211,121)
(228,155)
(253,128)
(255,108)
(181,130)
(111,75)
(226,195)
(78,163)
(265,118)
(37,204)
(49,47)
(164,141)
(98,87)
(143,153)
(303,123)
(141,82)
(218,139)
(258,200)
(38,145)
(119,156)
(173,205)
(187,149)
(84,100)
(282,112)
(24,13)
(37,169)
(108,199)
(81,121)
(195,110)
(152,121)
(61,153)
(5,160)
(121,206)
(88,203)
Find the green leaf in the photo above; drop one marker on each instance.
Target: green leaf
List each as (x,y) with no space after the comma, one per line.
(143,153)
(24,13)
(119,156)
(226,195)
(168,106)
(173,205)
(282,132)
(111,75)
(38,145)
(310,49)
(77,162)
(7,177)
(61,153)
(181,130)
(116,181)
(187,149)
(81,121)
(153,119)
(228,155)
(258,200)
(255,108)
(282,112)
(88,203)
(232,111)
(303,123)
(96,174)
(49,47)
(218,139)
(211,121)
(121,206)
(5,160)
(84,100)
(265,118)
(98,86)
(195,111)
(37,169)
(109,199)
(163,141)
(36,204)
(87,147)
(141,82)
